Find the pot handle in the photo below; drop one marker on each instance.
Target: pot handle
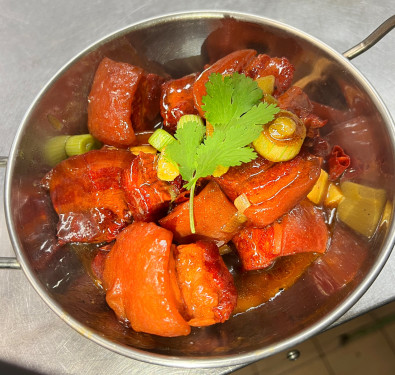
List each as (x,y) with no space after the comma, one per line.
(372,39)
(8,262)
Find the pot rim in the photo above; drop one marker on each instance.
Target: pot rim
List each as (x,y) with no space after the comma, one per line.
(192,361)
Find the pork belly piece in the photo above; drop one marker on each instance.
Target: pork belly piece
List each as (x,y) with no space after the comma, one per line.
(216,218)
(297,101)
(146,102)
(140,282)
(277,190)
(232,182)
(302,230)
(123,99)
(206,285)
(177,100)
(87,195)
(147,196)
(234,62)
(280,67)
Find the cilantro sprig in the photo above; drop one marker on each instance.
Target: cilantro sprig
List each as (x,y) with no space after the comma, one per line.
(234,108)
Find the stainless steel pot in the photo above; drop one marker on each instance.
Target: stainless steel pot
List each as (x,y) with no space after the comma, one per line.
(177,45)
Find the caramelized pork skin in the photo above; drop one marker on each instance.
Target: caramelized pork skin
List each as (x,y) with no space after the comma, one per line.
(215,217)
(280,188)
(232,182)
(123,99)
(140,281)
(87,194)
(177,100)
(272,188)
(206,285)
(234,62)
(301,230)
(147,196)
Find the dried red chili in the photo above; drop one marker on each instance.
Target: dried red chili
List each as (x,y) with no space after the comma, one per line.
(338,162)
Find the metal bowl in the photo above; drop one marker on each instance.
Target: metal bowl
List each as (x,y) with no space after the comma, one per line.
(176,45)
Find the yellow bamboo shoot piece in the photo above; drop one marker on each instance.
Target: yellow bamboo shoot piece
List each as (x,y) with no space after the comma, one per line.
(361,208)
(167,170)
(266,84)
(220,170)
(225,249)
(242,203)
(146,149)
(320,188)
(334,196)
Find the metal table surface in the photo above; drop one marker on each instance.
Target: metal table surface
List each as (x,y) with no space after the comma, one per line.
(38,37)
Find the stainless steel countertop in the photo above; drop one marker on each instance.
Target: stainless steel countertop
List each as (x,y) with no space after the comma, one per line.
(38,37)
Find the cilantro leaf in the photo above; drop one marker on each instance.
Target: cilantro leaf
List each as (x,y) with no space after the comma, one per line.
(229,97)
(233,107)
(219,94)
(183,150)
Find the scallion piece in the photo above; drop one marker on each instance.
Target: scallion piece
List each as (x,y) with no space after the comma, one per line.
(54,149)
(282,138)
(160,138)
(79,144)
(189,118)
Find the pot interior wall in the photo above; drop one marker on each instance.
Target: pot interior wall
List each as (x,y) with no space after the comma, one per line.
(175,47)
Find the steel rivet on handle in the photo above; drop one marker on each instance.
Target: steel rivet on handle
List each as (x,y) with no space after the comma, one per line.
(293,355)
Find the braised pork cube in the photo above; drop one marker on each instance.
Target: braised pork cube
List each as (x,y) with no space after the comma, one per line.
(271,189)
(276,191)
(122,100)
(147,196)
(232,182)
(140,282)
(234,62)
(87,195)
(206,285)
(177,100)
(279,67)
(301,230)
(216,218)
(297,101)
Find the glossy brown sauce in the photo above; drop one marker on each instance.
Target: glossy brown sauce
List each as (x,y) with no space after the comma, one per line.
(257,287)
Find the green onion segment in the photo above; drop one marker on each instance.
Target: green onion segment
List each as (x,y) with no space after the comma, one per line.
(160,139)
(79,144)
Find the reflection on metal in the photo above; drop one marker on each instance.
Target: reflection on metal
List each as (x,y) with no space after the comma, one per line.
(320,68)
(9,263)
(372,39)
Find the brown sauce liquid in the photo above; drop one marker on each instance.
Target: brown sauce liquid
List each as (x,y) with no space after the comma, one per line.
(257,287)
